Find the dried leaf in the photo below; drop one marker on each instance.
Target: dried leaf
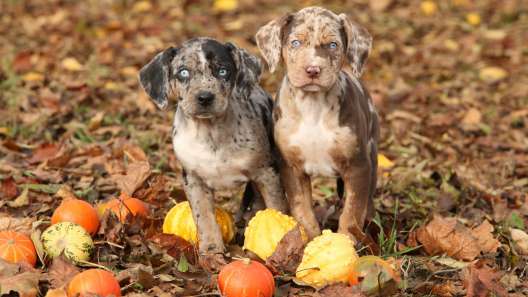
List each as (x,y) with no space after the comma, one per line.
(472,117)
(340,290)
(21,200)
(473,18)
(23,225)
(137,173)
(288,253)
(25,284)
(483,234)
(481,280)
(8,189)
(44,152)
(33,77)
(428,7)
(176,246)
(61,272)
(520,239)
(447,235)
(71,64)
(379,5)
(384,162)
(492,74)
(225,5)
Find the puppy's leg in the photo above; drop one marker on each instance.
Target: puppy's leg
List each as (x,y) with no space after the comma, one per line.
(201,199)
(267,182)
(357,199)
(299,191)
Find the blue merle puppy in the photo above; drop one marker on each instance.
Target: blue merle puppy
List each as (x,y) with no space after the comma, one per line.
(222,127)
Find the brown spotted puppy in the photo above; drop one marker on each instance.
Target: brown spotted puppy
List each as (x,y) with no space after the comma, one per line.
(222,127)
(324,121)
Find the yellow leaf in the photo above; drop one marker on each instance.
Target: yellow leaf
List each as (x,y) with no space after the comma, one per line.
(384,162)
(142,6)
(225,5)
(428,7)
(129,71)
(473,18)
(71,64)
(492,74)
(4,130)
(112,86)
(33,76)
(451,45)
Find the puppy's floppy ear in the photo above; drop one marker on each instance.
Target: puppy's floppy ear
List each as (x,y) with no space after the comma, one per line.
(358,45)
(154,77)
(269,40)
(248,67)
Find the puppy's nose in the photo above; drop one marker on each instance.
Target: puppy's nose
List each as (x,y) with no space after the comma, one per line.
(313,71)
(205,98)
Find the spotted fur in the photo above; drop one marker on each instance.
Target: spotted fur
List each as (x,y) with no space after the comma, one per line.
(324,121)
(224,143)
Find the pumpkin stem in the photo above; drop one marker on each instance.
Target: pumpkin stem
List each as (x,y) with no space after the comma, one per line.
(246,261)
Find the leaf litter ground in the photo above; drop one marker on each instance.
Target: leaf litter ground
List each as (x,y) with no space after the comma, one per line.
(447,77)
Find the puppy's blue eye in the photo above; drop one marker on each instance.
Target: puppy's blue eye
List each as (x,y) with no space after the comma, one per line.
(184,73)
(332,45)
(295,43)
(222,72)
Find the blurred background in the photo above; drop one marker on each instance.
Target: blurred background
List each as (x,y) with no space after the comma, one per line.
(449,79)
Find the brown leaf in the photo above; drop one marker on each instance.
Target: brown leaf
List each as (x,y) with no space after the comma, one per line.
(447,235)
(25,284)
(140,274)
(520,240)
(44,152)
(176,246)
(8,188)
(480,280)
(61,272)
(21,200)
(135,173)
(379,5)
(484,236)
(340,290)
(22,225)
(288,253)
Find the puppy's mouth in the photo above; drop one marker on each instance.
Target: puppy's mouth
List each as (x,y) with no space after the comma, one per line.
(311,87)
(203,115)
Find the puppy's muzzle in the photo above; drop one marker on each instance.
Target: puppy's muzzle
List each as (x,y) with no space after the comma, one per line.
(205,98)
(313,71)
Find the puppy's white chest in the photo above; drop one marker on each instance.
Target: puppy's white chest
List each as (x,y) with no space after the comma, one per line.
(217,168)
(317,139)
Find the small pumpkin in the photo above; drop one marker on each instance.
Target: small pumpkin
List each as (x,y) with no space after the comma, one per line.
(79,212)
(94,282)
(372,274)
(16,247)
(266,229)
(68,238)
(327,259)
(124,207)
(246,278)
(179,221)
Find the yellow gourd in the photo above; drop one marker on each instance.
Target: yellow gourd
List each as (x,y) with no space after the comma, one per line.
(69,239)
(266,229)
(327,259)
(179,221)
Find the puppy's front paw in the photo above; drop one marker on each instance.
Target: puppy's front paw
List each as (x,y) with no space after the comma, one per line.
(212,262)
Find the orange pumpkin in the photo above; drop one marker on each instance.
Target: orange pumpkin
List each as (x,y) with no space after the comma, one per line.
(246,278)
(79,212)
(16,247)
(94,282)
(124,206)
